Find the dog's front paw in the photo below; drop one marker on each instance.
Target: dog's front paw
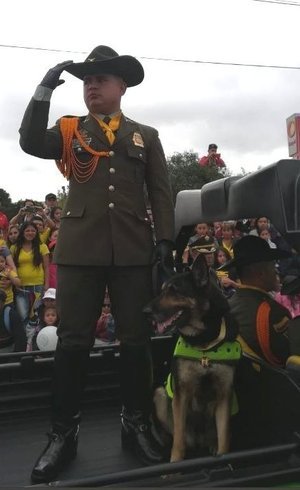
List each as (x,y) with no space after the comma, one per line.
(176,456)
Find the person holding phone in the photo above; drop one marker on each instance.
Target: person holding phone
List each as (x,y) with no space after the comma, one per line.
(212,158)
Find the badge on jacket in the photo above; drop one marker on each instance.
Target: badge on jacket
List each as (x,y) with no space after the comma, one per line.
(138,140)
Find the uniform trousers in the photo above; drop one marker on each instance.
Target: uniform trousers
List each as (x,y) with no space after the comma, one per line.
(80,295)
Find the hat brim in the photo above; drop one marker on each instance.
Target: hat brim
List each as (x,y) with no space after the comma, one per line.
(127,67)
(268,256)
(203,250)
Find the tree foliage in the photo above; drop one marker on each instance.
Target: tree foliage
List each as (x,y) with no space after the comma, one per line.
(185,172)
(5,199)
(6,205)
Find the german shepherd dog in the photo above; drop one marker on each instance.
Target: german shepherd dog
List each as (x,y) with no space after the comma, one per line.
(198,416)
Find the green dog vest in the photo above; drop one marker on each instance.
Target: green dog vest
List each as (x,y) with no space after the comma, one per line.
(227,351)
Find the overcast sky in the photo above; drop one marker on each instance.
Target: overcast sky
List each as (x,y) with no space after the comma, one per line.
(242,109)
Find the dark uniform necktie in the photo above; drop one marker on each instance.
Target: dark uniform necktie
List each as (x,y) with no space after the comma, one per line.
(107,120)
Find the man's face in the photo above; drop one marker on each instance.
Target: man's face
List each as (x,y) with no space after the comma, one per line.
(262,223)
(102,93)
(51,202)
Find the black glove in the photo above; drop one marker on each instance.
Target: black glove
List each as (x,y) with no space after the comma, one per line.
(51,79)
(163,255)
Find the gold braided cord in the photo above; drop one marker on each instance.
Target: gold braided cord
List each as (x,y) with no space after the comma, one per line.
(69,163)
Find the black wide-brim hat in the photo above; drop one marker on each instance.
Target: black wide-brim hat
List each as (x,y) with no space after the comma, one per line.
(252,249)
(104,60)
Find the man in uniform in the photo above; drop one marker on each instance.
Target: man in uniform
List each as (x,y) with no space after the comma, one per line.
(105,240)
(263,323)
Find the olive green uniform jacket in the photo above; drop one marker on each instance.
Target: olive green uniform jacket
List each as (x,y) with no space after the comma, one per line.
(104,220)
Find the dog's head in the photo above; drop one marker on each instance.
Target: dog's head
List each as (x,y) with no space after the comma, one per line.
(185,301)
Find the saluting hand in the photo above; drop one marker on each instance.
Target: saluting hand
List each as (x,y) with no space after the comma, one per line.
(51,79)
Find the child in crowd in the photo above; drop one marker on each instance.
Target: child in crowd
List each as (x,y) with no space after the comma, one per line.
(261,223)
(12,235)
(200,230)
(227,279)
(8,279)
(6,252)
(44,231)
(105,328)
(49,318)
(49,299)
(227,241)
(37,322)
(266,235)
(217,225)
(55,215)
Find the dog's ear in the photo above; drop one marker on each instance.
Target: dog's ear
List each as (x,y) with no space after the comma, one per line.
(200,272)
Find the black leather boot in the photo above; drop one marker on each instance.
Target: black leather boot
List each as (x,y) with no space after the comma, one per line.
(60,450)
(136,436)
(70,370)
(136,390)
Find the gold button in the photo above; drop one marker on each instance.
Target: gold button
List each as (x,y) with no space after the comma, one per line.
(141,155)
(111,205)
(111,153)
(112,170)
(68,213)
(111,188)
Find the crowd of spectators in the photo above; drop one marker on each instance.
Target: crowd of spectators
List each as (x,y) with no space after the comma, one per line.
(28,277)
(224,235)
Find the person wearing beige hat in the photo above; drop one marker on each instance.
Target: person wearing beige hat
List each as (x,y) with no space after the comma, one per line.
(109,160)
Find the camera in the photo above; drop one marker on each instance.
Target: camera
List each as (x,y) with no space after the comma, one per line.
(30,209)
